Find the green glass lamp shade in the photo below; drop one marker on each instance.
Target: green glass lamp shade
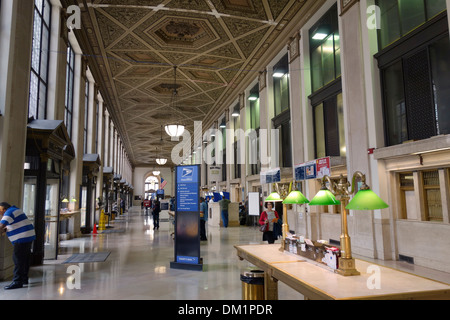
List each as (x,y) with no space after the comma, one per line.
(366,200)
(324,198)
(295,197)
(274,197)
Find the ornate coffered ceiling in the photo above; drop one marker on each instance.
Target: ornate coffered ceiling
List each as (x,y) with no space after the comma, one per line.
(133,45)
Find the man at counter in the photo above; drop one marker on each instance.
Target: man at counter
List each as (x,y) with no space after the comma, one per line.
(223,204)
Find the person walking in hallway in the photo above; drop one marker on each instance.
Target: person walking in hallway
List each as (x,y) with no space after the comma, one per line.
(21,233)
(155,213)
(271,220)
(224,210)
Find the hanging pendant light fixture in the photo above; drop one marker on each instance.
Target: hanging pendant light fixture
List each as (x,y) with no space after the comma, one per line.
(160,160)
(175,129)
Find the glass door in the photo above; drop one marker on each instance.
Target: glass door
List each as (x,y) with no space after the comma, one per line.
(29,198)
(51,220)
(83,206)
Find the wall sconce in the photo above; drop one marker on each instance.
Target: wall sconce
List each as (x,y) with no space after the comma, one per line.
(321,32)
(278,74)
(365,199)
(253,97)
(236,112)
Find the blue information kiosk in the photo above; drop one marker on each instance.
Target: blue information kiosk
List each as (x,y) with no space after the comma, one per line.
(187,219)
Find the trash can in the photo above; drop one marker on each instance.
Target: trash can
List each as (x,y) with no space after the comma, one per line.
(253,285)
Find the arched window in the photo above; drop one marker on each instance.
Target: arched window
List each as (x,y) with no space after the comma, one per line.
(151,186)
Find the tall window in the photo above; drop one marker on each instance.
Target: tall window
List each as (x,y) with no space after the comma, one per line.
(223,130)
(415,84)
(326,100)
(329,128)
(151,186)
(236,145)
(281,85)
(399,17)
(325,50)
(70,77)
(282,119)
(39,60)
(282,123)
(97,121)
(86,117)
(253,154)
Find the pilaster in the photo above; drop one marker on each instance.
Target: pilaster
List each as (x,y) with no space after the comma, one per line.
(15,56)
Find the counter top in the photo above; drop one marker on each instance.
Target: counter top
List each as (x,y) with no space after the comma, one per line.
(316,281)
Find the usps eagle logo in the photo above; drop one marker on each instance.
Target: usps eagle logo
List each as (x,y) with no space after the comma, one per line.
(187,173)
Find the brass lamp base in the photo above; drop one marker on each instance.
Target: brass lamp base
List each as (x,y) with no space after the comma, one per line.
(347,267)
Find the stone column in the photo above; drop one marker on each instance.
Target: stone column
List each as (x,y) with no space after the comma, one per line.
(101,145)
(243,145)
(15,62)
(298,216)
(106,155)
(56,96)
(448,12)
(264,141)
(76,165)
(360,118)
(296,101)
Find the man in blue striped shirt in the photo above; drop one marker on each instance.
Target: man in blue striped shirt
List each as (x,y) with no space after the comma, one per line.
(20,232)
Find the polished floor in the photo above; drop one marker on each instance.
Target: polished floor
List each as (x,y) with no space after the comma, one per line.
(138,267)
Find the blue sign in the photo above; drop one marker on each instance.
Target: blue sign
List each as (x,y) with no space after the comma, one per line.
(271,176)
(188,191)
(306,171)
(217,197)
(188,197)
(187,219)
(188,260)
(187,174)
(300,174)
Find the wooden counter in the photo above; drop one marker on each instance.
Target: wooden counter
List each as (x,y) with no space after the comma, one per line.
(318,282)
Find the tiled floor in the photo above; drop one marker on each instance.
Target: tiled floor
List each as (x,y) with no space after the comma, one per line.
(139,267)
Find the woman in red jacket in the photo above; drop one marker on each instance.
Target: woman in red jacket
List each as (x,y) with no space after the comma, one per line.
(270,218)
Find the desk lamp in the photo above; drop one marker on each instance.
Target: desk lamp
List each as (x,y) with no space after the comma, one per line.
(365,199)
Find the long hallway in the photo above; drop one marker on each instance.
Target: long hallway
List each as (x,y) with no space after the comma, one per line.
(138,267)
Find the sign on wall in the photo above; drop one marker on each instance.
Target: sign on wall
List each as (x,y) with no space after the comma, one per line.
(271,176)
(316,169)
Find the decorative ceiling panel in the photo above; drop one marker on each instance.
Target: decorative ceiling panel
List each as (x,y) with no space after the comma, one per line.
(133,46)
